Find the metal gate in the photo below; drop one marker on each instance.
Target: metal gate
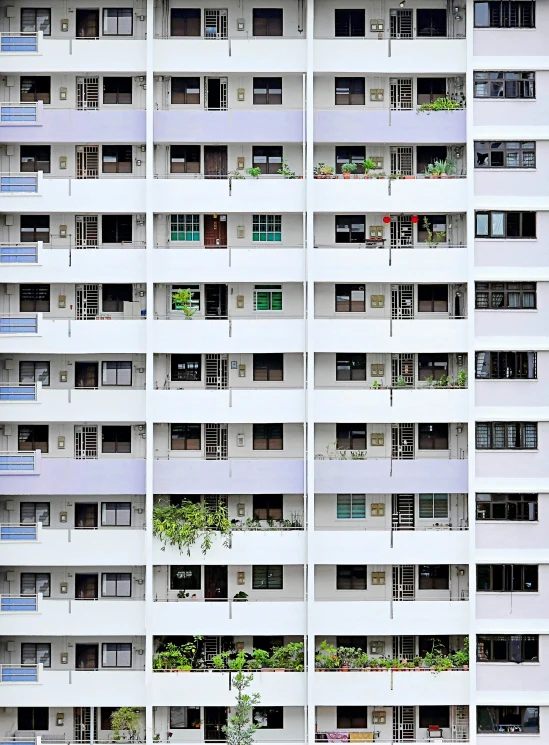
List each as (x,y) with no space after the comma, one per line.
(404,647)
(404,584)
(403,441)
(87,161)
(213,502)
(87,302)
(460,722)
(404,723)
(86,231)
(401,160)
(87,93)
(402,302)
(82,721)
(215,24)
(401,231)
(222,94)
(401,23)
(211,647)
(402,369)
(215,436)
(403,512)
(216,371)
(85,442)
(401,93)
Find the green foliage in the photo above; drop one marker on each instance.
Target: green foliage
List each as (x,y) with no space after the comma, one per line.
(441,104)
(433,239)
(462,378)
(348,167)
(241,595)
(240,728)
(183,525)
(401,382)
(236,175)
(182,301)
(254,172)
(173,657)
(125,723)
(285,170)
(446,167)
(289,657)
(369,165)
(326,657)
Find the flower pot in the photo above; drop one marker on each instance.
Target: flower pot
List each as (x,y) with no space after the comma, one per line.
(345,668)
(409,177)
(466,667)
(443,175)
(435,175)
(346,175)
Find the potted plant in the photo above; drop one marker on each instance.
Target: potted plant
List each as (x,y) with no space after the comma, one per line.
(369,165)
(317,171)
(173,657)
(242,596)
(326,657)
(401,382)
(182,300)
(440,104)
(236,175)
(461,379)
(289,657)
(285,170)
(327,171)
(254,172)
(125,719)
(348,657)
(347,169)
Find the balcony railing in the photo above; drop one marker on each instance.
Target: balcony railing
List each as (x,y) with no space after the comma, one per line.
(22,113)
(19,183)
(18,603)
(18,532)
(19,253)
(13,462)
(19,673)
(19,42)
(18,323)
(18,392)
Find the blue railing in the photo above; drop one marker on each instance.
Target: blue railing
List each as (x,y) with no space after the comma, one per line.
(19,532)
(19,254)
(16,462)
(19,112)
(18,673)
(18,43)
(18,325)
(18,392)
(19,603)
(19,183)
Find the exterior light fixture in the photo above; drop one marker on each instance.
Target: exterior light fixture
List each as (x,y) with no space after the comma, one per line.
(387,219)
(414,219)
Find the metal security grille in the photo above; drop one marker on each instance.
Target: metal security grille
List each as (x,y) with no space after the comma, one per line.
(87,93)
(82,722)
(213,502)
(85,442)
(216,371)
(401,23)
(402,368)
(401,160)
(215,24)
(86,231)
(403,647)
(403,511)
(401,231)
(215,436)
(211,647)
(403,441)
(402,302)
(87,302)
(87,161)
(401,93)
(461,722)
(404,582)
(404,728)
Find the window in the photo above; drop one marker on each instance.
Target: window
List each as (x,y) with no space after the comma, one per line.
(508,719)
(117,158)
(116,585)
(350,154)
(116,373)
(35,228)
(351,506)
(185,577)
(268,437)
(267,228)
(350,229)
(268,22)
(505,224)
(267,91)
(267,507)
(34,20)
(184,717)
(35,88)
(34,512)
(268,367)
(33,583)
(504,84)
(352,717)
(114,297)
(351,436)
(186,437)
(507,435)
(433,507)
(186,367)
(267,577)
(434,577)
(437,715)
(195,296)
(34,372)
(432,436)
(116,229)
(350,299)
(432,298)
(351,577)
(507,577)
(116,439)
(505,154)
(185,22)
(507,507)
(268,717)
(185,227)
(117,90)
(508,648)
(117,21)
(506,365)
(33,718)
(505,14)
(267,158)
(351,366)
(116,513)
(36,654)
(185,90)
(356,642)
(33,437)
(431,22)
(508,295)
(35,158)
(267,297)
(185,159)
(350,22)
(117,654)
(350,91)
(433,366)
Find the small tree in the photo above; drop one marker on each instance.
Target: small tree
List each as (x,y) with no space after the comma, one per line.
(240,727)
(182,300)
(182,525)
(125,723)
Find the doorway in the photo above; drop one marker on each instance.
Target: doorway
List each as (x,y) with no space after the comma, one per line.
(216,301)
(403,512)
(85,515)
(86,374)
(86,656)
(426,154)
(215,94)
(215,718)
(216,583)
(215,161)
(215,231)
(87,23)
(86,586)
(429,89)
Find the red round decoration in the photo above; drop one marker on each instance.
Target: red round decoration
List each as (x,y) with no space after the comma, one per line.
(386,219)
(415,219)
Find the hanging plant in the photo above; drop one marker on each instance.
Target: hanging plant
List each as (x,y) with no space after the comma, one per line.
(185,524)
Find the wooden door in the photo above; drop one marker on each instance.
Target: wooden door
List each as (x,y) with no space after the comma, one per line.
(86,656)
(215,231)
(215,161)
(85,515)
(87,23)
(86,374)
(215,582)
(214,719)
(86,586)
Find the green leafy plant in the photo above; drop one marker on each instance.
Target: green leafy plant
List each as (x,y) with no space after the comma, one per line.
(289,657)
(441,104)
(461,379)
(183,525)
(254,172)
(240,727)
(348,657)
(241,596)
(174,657)
(326,656)
(182,301)
(369,165)
(317,170)
(433,239)
(401,382)
(125,723)
(348,167)
(285,170)
(236,175)
(327,171)
(376,384)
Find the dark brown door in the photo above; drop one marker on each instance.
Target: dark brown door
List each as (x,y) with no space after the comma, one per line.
(215,582)
(85,515)
(86,656)
(215,161)
(86,586)
(216,301)
(215,231)
(87,23)
(214,719)
(86,374)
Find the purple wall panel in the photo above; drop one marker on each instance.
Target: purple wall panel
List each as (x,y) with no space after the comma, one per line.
(228,126)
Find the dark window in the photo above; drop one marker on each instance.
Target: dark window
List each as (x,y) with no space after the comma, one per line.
(116,229)
(268,717)
(117,158)
(508,295)
(505,14)
(114,297)
(268,367)
(116,439)
(352,717)
(350,229)
(267,91)
(350,154)
(267,507)
(268,159)
(33,437)
(351,436)
(34,20)
(35,158)
(184,158)
(350,22)
(268,437)
(507,435)
(504,84)
(507,577)
(185,90)
(116,373)
(34,512)
(185,22)
(268,22)
(117,90)
(34,372)
(350,299)
(117,654)
(434,577)
(33,583)
(33,718)
(431,22)
(429,89)
(432,298)
(35,88)
(434,715)
(117,21)
(267,577)
(507,507)
(116,513)
(508,648)
(184,717)
(354,642)
(186,437)
(186,367)
(87,23)
(427,644)
(432,436)
(508,719)
(350,366)
(505,154)
(34,654)
(433,507)
(185,577)
(504,365)
(433,366)
(505,224)
(267,643)
(350,91)
(35,228)
(116,585)
(351,577)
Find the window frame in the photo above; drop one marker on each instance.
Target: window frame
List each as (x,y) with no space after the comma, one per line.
(185,159)
(491,433)
(268,507)
(270,433)
(123,159)
(267,577)
(351,436)
(272,295)
(183,583)
(186,14)
(488,365)
(521,507)
(34,438)
(348,575)
(119,228)
(499,85)
(350,367)
(507,149)
(433,577)
(31,155)
(185,89)
(344,296)
(188,722)
(42,377)
(116,507)
(186,225)
(497,295)
(36,25)
(494,713)
(33,716)
(32,650)
(267,228)
(434,515)
(349,92)
(114,440)
(33,88)
(273,156)
(120,365)
(356,504)
(180,371)
(267,91)
(433,438)
(350,154)
(273,24)
(119,578)
(34,228)
(37,508)
(356,17)
(433,365)
(348,717)
(114,295)
(276,713)
(493,225)
(501,578)
(121,14)
(433,298)
(186,436)
(349,228)
(120,648)
(34,298)
(486,651)
(41,581)
(501,17)
(270,365)
(121,97)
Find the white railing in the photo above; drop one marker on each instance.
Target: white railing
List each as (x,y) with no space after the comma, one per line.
(19,42)
(23,673)
(17,462)
(18,532)
(20,253)
(19,183)
(19,392)
(19,603)
(19,112)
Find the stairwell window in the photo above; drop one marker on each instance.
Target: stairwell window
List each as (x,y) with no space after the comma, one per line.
(186,437)
(268,297)
(33,583)
(36,88)
(350,22)
(267,228)
(32,437)
(351,366)
(36,654)
(432,436)
(116,654)
(508,719)
(507,577)
(185,228)
(507,435)
(268,367)
(35,512)
(186,368)
(508,648)
(117,90)
(350,299)
(504,84)
(116,439)
(505,14)
(351,436)
(505,154)
(433,507)
(351,507)
(507,295)
(434,577)
(506,366)
(117,21)
(268,437)
(268,21)
(505,224)
(34,20)
(519,507)
(351,577)
(350,91)
(267,577)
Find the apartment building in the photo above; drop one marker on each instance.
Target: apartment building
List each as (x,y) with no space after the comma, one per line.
(339,379)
